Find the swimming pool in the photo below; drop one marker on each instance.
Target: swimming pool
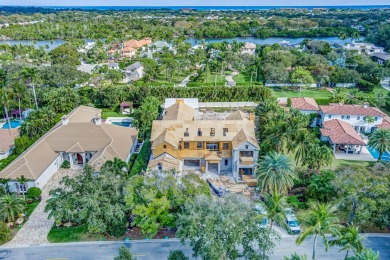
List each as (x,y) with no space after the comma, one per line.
(120,121)
(375,154)
(14,124)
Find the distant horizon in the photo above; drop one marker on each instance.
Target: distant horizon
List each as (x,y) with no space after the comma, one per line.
(335,5)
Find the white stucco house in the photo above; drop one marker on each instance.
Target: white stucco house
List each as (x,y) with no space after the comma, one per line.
(305,105)
(363,118)
(79,138)
(362,47)
(7,138)
(249,48)
(134,72)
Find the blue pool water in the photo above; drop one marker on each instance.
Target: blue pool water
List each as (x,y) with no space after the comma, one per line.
(14,124)
(122,123)
(375,154)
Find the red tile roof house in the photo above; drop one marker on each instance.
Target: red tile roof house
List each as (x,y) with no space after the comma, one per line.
(305,105)
(341,135)
(363,118)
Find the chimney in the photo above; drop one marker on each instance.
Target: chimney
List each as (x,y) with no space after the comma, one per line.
(97,120)
(64,120)
(365,104)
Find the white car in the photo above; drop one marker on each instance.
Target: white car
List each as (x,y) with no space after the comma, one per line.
(292,221)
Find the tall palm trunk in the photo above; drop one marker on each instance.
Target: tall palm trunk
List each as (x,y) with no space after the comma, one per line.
(35,96)
(346,255)
(7,118)
(314,247)
(20,111)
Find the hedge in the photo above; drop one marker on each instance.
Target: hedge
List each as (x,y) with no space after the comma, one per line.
(322,101)
(141,163)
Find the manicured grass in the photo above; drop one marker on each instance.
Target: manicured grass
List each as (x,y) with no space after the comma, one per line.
(71,234)
(340,163)
(379,89)
(30,208)
(107,112)
(313,93)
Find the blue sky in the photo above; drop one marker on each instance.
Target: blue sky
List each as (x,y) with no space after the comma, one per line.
(192,2)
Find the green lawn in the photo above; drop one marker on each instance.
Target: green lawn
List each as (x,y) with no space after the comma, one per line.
(71,234)
(313,93)
(30,208)
(340,163)
(107,112)
(379,89)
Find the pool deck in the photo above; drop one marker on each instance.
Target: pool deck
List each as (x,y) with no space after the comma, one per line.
(365,155)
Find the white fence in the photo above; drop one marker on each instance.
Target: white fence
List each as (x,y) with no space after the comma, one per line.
(227,104)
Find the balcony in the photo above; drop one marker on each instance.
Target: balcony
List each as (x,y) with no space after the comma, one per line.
(245,160)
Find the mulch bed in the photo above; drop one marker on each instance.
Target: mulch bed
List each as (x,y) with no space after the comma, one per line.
(135,233)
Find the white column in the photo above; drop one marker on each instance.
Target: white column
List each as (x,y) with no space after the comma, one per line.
(334,148)
(361,147)
(207,167)
(84,160)
(219,167)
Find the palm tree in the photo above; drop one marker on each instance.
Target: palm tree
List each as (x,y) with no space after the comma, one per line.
(19,91)
(6,100)
(342,36)
(356,36)
(4,182)
(349,239)
(319,221)
(274,205)
(23,180)
(295,256)
(11,206)
(31,76)
(117,167)
(366,254)
(276,173)
(380,141)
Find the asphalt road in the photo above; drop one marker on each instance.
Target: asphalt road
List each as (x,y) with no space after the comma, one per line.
(159,250)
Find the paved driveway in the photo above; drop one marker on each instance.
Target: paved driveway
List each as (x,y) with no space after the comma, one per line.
(38,226)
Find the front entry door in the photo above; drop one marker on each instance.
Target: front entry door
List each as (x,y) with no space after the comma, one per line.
(79,159)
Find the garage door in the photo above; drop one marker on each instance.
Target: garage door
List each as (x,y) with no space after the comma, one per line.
(192,163)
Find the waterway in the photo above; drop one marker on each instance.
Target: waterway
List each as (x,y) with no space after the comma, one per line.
(51,44)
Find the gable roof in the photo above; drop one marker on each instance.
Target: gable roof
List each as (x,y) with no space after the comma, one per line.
(340,132)
(135,65)
(304,103)
(238,115)
(179,111)
(357,110)
(80,134)
(242,137)
(166,161)
(7,138)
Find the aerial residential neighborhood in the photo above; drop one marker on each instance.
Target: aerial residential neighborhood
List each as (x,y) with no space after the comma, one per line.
(194,132)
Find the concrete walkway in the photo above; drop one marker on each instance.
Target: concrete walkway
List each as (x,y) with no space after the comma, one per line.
(184,82)
(229,78)
(386,84)
(38,226)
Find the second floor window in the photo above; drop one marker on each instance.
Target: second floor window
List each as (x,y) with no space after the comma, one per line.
(212,132)
(329,116)
(199,145)
(212,146)
(376,118)
(225,146)
(186,145)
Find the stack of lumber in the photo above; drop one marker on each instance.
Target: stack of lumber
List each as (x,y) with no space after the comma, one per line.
(249,180)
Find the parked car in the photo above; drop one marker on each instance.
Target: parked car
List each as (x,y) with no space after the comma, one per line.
(292,222)
(264,220)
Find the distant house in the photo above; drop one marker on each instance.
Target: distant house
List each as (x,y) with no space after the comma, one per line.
(361,47)
(158,46)
(134,72)
(128,52)
(305,105)
(249,48)
(359,27)
(7,138)
(80,138)
(381,58)
(113,65)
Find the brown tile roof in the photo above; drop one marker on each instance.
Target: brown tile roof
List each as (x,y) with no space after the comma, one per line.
(340,132)
(304,104)
(79,135)
(385,123)
(357,110)
(7,138)
(137,44)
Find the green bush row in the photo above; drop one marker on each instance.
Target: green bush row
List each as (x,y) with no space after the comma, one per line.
(141,163)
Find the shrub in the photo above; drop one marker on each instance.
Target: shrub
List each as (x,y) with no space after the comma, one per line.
(34,192)
(322,101)
(117,229)
(5,232)
(365,86)
(142,160)
(295,202)
(65,164)
(177,255)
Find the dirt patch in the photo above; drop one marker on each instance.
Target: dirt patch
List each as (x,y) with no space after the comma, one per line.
(135,233)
